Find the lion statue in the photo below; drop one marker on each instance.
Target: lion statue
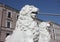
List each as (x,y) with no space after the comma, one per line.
(25,25)
(44,33)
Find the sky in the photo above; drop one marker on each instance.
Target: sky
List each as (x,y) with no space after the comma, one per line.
(45,6)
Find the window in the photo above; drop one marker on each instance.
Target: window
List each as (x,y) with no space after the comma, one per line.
(9,14)
(17,16)
(8,24)
(7,34)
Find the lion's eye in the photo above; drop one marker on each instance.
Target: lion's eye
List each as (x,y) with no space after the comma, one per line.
(35,12)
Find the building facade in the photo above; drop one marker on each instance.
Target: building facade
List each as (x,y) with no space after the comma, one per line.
(8,18)
(54,30)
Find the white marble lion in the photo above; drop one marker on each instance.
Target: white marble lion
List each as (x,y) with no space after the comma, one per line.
(24,26)
(44,35)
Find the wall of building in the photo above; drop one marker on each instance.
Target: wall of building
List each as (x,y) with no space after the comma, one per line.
(0,15)
(4,30)
(55,32)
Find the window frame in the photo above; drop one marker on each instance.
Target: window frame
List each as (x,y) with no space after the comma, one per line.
(9,13)
(7,34)
(7,24)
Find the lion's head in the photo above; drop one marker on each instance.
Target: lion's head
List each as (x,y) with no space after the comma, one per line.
(29,10)
(44,24)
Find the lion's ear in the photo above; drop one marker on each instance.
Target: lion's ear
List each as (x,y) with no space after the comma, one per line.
(25,10)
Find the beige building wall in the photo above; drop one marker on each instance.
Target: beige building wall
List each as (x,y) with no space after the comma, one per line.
(55,32)
(4,30)
(0,15)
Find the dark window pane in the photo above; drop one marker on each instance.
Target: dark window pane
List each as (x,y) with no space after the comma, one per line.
(8,24)
(9,14)
(17,16)
(7,34)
